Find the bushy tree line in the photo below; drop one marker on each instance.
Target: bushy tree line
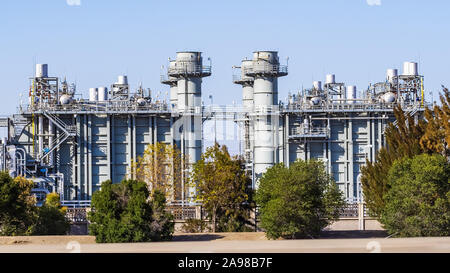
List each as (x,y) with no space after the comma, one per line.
(125,213)
(19,214)
(407,186)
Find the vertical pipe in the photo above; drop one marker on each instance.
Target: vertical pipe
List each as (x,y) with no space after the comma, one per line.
(85,155)
(129,142)
(90,163)
(286,141)
(108,145)
(51,130)
(41,135)
(351,172)
(113,150)
(79,143)
(134,127)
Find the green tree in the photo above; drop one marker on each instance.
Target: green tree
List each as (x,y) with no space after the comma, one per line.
(402,140)
(17,207)
(163,224)
(51,218)
(418,202)
(223,188)
(124,213)
(298,201)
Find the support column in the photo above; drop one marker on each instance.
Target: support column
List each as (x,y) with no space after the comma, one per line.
(108,145)
(89,150)
(85,161)
(351,160)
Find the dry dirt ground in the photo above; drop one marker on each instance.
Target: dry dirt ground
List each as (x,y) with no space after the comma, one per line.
(359,242)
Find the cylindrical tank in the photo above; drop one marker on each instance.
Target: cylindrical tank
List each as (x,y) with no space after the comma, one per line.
(330,79)
(406,69)
(122,80)
(102,94)
(41,71)
(391,74)
(65,99)
(413,69)
(93,94)
(351,94)
(317,85)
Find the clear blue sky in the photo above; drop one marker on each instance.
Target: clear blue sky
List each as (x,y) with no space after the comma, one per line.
(94,42)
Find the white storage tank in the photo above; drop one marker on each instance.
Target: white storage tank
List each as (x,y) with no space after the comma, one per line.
(413,69)
(41,71)
(102,93)
(330,79)
(406,69)
(93,94)
(122,80)
(391,74)
(351,94)
(317,85)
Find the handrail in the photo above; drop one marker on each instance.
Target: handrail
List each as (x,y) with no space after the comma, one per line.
(187,68)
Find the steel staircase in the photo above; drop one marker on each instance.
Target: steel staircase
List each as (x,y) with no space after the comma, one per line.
(67,131)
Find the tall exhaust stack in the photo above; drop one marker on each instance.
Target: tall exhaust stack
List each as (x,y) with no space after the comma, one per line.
(188,70)
(265,70)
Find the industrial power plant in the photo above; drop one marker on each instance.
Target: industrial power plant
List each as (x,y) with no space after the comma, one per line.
(70,145)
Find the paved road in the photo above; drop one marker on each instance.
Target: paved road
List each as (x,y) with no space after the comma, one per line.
(410,245)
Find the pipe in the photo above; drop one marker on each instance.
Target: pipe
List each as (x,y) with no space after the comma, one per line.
(51,130)
(41,135)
